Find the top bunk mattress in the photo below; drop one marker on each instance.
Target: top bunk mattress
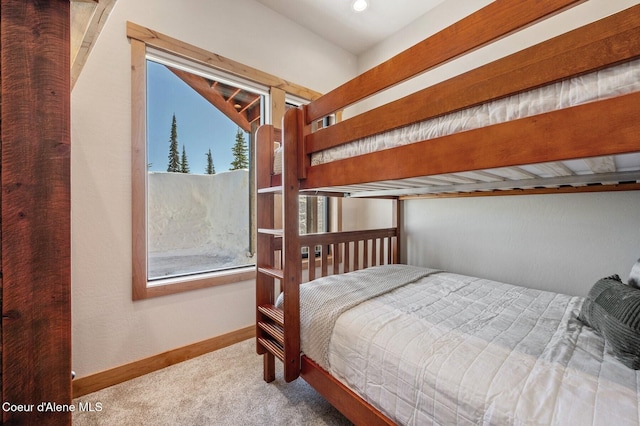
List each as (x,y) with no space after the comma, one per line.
(606,83)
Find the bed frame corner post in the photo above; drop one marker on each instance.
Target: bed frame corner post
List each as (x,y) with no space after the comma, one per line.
(304,158)
(398,216)
(292,274)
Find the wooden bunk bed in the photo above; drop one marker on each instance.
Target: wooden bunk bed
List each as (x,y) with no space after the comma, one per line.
(603,133)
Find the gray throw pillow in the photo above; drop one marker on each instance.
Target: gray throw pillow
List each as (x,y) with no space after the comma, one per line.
(612,308)
(634,276)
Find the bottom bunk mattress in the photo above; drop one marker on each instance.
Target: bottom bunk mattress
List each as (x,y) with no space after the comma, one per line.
(429,347)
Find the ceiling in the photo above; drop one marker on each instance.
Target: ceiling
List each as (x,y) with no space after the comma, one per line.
(335,21)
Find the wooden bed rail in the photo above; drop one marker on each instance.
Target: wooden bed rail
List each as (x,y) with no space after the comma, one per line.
(341,252)
(595,46)
(490,23)
(332,253)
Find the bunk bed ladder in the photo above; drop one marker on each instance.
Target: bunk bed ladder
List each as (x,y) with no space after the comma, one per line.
(273,338)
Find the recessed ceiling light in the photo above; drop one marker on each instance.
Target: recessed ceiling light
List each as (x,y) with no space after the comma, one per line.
(359,5)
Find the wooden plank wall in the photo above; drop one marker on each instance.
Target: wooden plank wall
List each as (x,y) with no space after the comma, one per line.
(35,214)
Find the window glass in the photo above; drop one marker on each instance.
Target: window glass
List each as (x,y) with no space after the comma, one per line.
(198,203)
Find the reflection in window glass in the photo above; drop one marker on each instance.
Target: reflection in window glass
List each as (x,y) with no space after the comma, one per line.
(313,218)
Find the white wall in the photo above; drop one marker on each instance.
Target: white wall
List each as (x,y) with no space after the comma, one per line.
(558,242)
(108,328)
(563,243)
(359,213)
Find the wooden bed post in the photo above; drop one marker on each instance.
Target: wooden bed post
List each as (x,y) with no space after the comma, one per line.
(398,212)
(293,120)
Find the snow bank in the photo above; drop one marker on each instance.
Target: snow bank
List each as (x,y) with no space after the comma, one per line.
(197,222)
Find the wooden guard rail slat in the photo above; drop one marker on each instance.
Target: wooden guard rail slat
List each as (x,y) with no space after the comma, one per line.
(272,347)
(350,250)
(274,331)
(273,313)
(342,237)
(272,272)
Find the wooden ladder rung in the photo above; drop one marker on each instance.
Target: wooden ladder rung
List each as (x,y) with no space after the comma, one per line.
(273,313)
(272,347)
(274,232)
(270,190)
(272,272)
(272,330)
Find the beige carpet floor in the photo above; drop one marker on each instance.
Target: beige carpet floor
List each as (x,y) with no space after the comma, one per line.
(224,387)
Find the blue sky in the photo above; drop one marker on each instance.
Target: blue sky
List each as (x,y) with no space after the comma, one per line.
(200,125)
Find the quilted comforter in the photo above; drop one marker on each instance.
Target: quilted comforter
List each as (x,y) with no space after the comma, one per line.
(444,349)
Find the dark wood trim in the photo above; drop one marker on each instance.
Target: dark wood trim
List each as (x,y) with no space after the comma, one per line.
(113,376)
(36,214)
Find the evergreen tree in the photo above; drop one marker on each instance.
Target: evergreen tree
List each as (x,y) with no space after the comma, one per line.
(211,170)
(184,163)
(240,150)
(174,160)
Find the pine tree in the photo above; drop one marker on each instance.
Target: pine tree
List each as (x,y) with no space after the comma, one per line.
(174,160)
(240,160)
(184,163)
(211,170)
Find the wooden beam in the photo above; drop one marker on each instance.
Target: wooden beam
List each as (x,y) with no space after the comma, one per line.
(35,213)
(204,89)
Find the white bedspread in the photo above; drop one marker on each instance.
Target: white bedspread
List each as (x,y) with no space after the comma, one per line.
(323,300)
(450,349)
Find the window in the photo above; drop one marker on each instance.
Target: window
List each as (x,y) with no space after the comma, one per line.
(199,127)
(314,217)
(194,230)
